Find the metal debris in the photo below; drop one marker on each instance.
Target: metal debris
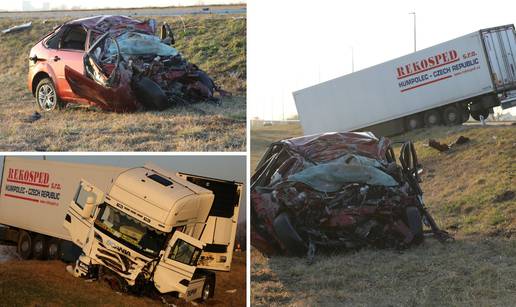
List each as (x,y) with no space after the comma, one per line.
(18,28)
(444,147)
(338,191)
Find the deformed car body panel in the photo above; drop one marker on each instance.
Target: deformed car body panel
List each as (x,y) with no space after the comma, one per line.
(337,191)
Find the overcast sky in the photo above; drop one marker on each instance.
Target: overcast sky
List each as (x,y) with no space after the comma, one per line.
(223,167)
(18,4)
(295,44)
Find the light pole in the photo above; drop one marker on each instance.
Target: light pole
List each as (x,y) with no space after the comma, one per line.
(414,13)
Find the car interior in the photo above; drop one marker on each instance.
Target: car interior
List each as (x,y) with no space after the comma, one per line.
(74,39)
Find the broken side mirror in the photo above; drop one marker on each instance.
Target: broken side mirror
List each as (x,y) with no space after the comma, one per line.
(166,34)
(89,206)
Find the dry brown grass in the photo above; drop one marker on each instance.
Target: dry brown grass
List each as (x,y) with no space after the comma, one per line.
(46,283)
(215,43)
(460,187)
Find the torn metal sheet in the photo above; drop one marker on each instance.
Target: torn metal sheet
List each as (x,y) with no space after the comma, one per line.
(18,28)
(337,191)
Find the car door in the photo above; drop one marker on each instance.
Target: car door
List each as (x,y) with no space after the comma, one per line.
(178,263)
(69,52)
(77,225)
(103,82)
(220,228)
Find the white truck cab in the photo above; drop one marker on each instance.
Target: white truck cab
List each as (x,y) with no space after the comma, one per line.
(156,227)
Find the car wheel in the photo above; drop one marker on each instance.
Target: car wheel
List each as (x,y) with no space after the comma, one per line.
(288,236)
(452,116)
(46,96)
(415,224)
(465,114)
(24,245)
(150,94)
(432,118)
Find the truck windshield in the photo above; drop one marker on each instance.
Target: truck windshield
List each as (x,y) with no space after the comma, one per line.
(143,238)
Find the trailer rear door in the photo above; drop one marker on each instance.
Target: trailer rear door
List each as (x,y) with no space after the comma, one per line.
(220,229)
(500,46)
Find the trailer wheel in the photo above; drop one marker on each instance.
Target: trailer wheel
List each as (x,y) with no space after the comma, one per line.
(39,247)
(53,249)
(415,224)
(483,112)
(452,116)
(465,114)
(24,245)
(288,236)
(432,118)
(413,122)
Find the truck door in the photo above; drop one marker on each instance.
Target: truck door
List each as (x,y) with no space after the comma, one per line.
(177,265)
(220,229)
(77,225)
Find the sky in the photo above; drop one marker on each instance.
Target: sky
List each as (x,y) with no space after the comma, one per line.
(296,44)
(231,168)
(17,4)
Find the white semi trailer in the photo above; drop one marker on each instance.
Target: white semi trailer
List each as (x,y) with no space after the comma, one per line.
(145,225)
(443,84)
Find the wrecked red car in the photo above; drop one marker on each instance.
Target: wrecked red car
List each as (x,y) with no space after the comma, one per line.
(116,63)
(337,191)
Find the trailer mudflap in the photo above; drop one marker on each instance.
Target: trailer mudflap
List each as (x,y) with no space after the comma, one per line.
(177,265)
(76,221)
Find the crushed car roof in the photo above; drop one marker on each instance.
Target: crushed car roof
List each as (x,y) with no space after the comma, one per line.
(104,23)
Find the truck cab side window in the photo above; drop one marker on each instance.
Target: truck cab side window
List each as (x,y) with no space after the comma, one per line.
(74,39)
(185,253)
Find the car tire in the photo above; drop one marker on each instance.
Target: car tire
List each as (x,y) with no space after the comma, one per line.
(413,122)
(415,224)
(39,247)
(288,236)
(150,94)
(432,118)
(452,116)
(53,249)
(46,96)
(208,289)
(24,247)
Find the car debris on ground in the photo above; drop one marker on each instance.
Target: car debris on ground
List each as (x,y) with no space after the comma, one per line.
(18,28)
(445,147)
(338,191)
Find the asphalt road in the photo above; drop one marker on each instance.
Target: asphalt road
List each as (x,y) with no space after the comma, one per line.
(161,11)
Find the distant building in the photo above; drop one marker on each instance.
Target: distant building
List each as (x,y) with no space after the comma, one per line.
(27,6)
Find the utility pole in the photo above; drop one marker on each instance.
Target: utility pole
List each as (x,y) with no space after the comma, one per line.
(414,13)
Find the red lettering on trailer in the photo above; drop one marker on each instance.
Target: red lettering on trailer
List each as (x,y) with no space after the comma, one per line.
(35,178)
(423,65)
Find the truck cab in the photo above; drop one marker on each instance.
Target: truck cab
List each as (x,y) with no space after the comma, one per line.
(156,227)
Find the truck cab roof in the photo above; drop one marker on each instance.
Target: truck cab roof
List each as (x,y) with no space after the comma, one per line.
(162,200)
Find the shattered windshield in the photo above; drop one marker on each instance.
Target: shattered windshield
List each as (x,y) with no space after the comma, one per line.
(134,43)
(119,225)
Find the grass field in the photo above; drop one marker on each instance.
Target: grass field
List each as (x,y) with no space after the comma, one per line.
(461,189)
(46,283)
(216,43)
